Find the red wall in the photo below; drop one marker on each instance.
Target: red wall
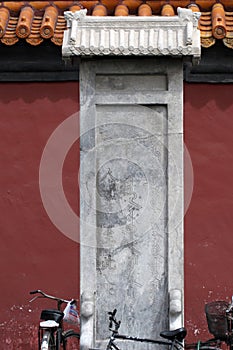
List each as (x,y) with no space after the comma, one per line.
(33,253)
(208,125)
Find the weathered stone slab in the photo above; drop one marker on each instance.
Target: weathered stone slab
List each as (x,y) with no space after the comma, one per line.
(131,184)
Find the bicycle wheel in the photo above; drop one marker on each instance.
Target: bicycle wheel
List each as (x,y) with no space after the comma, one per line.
(48,342)
(71,340)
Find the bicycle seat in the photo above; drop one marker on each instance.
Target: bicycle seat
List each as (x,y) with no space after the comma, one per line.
(178,334)
(50,314)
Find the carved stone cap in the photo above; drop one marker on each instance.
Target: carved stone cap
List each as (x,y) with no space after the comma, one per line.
(135,36)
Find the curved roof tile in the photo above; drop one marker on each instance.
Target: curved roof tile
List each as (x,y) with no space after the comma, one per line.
(36,21)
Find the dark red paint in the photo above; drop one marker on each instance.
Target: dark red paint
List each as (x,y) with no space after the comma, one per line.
(208,126)
(33,253)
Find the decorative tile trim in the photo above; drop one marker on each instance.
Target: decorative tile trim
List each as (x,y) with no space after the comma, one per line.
(125,36)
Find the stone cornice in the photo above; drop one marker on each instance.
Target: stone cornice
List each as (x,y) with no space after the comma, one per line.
(125,36)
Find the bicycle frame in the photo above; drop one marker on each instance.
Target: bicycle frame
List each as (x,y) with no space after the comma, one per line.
(52,331)
(172,344)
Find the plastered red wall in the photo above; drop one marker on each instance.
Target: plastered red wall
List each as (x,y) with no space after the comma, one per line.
(208,127)
(34,254)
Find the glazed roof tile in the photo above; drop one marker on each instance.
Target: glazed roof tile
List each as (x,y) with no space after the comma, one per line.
(36,21)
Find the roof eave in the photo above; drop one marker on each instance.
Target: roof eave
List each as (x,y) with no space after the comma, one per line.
(132,36)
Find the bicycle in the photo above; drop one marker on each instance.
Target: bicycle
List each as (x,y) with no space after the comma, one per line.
(174,338)
(219,315)
(51,333)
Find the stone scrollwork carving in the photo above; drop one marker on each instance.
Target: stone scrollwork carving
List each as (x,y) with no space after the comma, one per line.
(191,18)
(175,308)
(78,15)
(188,15)
(72,22)
(87,320)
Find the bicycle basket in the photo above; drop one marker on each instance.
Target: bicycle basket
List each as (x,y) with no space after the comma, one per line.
(216,318)
(54,315)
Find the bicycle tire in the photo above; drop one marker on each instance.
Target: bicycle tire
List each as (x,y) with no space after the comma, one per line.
(48,342)
(71,340)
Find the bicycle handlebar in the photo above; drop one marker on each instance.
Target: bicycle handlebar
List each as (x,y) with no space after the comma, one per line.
(44,295)
(34,291)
